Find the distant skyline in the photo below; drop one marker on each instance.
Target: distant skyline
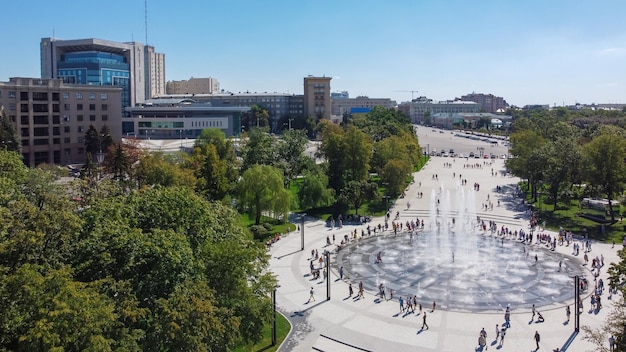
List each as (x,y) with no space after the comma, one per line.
(528,52)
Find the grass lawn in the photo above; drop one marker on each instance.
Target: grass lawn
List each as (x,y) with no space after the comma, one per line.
(282,329)
(568,217)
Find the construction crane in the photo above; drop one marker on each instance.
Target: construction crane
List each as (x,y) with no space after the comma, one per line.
(406,91)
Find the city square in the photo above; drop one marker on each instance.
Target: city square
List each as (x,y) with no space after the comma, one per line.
(471,275)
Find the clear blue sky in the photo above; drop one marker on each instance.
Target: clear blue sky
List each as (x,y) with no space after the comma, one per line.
(528,52)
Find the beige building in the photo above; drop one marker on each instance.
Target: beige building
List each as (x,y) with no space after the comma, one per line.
(420,107)
(359,104)
(155,73)
(194,86)
(52,117)
(317,97)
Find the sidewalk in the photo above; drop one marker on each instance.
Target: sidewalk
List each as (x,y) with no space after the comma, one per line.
(369,324)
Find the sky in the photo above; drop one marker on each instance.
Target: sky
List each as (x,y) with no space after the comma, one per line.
(529,52)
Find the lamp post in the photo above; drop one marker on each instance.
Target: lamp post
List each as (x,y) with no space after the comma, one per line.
(100,159)
(328,275)
(180,134)
(274,314)
(386,199)
(302,229)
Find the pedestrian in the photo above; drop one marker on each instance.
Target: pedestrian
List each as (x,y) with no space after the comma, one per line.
(350,291)
(497,332)
(611,343)
(424,321)
(537,338)
(401,300)
(341,273)
(312,295)
(434,306)
(361,290)
(533,312)
(568,312)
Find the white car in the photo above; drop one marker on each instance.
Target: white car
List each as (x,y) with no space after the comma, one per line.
(461,155)
(502,156)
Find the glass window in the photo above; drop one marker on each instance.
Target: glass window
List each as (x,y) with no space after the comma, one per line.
(104,107)
(66,129)
(105,117)
(66,95)
(103,96)
(79,117)
(92,96)
(92,107)
(79,95)
(11,94)
(79,106)
(66,106)
(92,117)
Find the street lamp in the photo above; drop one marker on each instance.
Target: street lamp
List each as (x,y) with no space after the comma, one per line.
(386,199)
(100,159)
(328,275)
(274,320)
(180,134)
(302,229)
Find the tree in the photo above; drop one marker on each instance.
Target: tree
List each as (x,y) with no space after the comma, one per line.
(106,140)
(332,149)
(562,158)
(358,192)
(118,162)
(215,164)
(9,138)
(261,188)
(159,169)
(395,174)
(259,148)
(314,191)
(213,179)
(357,154)
(92,141)
(605,159)
(290,153)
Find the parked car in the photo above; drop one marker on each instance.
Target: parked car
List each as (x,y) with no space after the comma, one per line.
(471,154)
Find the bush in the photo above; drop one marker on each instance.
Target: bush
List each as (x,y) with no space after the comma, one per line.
(268,226)
(258,232)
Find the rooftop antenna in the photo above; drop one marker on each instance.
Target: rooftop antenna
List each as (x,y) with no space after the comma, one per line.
(145,7)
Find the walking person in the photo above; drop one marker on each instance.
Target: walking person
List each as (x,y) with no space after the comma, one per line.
(424,321)
(312,295)
(350,291)
(401,300)
(434,306)
(568,312)
(497,332)
(611,343)
(537,338)
(361,290)
(502,333)
(534,312)
(341,273)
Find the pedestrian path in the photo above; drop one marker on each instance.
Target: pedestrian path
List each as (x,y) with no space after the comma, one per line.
(374,324)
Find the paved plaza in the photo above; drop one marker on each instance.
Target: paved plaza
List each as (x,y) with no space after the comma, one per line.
(471,274)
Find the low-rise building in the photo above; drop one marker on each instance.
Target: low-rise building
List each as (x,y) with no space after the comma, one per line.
(181,118)
(421,107)
(360,104)
(193,85)
(52,117)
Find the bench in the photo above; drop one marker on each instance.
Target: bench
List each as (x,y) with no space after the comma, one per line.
(597,218)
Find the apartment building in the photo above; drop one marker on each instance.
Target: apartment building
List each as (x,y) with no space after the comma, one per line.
(193,85)
(52,117)
(360,104)
(418,108)
(317,97)
(488,102)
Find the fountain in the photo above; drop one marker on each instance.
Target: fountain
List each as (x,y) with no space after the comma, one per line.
(454,262)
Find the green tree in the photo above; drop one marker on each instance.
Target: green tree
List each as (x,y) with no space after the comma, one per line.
(118,162)
(106,140)
(261,188)
(215,164)
(159,169)
(333,149)
(562,158)
(604,158)
(314,191)
(9,138)
(290,153)
(92,141)
(356,193)
(357,154)
(395,174)
(259,148)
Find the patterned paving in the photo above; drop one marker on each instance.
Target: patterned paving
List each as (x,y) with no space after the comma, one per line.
(486,274)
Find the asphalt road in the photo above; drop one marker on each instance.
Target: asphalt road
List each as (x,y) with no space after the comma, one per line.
(431,138)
